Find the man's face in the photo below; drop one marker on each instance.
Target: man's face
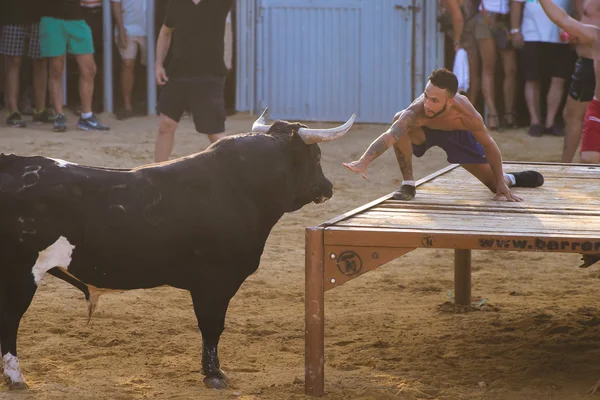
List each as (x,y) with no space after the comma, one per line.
(436,100)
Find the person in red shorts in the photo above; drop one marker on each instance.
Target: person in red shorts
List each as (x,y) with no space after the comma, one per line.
(584,35)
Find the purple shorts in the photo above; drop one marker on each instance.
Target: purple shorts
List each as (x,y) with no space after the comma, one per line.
(460,146)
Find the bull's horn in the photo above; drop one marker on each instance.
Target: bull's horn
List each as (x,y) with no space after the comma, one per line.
(260,124)
(310,136)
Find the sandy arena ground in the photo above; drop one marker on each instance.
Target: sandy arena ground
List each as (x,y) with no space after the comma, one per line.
(386,337)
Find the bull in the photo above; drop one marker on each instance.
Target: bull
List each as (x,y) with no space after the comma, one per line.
(197,223)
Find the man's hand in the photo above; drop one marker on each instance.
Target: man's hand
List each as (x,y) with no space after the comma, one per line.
(357,166)
(161,75)
(502,190)
(517,40)
(122,39)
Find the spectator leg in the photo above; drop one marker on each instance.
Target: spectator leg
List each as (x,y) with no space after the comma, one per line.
(474,76)
(509,86)
(12,82)
(40,83)
(57,66)
(573,115)
(553,99)
(532,97)
(487,47)
(87,73)
(127,80)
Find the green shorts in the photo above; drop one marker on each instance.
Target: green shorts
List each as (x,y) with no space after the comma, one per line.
(59,36)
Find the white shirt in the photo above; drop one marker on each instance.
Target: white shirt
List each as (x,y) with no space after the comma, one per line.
(134,17)
(496,6)
(536,26)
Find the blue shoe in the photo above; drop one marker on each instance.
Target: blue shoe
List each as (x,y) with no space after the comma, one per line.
(91,124)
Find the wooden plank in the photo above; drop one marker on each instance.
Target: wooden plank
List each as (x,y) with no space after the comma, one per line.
(488,223)
(555,242)
(386,197)
(524,209)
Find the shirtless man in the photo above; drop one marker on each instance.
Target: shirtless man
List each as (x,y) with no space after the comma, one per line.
(587,36)
(583,82)
(441,117)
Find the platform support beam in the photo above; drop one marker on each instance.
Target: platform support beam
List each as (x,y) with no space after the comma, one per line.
(314,350)
(462,277)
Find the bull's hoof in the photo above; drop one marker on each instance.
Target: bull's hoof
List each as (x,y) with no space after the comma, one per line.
(214,382)
(17,386)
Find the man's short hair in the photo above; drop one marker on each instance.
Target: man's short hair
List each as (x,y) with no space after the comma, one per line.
(444,79)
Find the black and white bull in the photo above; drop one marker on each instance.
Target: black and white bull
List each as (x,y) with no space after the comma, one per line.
(198,223)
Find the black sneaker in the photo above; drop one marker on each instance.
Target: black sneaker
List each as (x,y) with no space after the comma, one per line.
(44,117)
(530,179)
(91,124)
(60,123)
(15,120)
(406,192)
(556,130)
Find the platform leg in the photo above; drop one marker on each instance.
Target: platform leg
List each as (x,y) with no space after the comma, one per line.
(462,277)
(314,350)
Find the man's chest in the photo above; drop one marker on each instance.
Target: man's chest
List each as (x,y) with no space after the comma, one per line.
(446,124)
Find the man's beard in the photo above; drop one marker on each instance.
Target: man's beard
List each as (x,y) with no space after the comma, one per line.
(437,113)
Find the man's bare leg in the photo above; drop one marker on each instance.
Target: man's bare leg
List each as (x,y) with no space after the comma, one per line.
(484,173)
(12,82)
(87,73)
(216,136)
(165,138)
(404,153)
(573,115)
(553,100)
(57,66)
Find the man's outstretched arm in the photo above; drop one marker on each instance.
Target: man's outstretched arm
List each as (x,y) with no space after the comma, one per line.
(584,32)
(403,122)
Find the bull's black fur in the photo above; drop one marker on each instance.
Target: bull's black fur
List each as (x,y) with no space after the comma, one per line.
(198,223)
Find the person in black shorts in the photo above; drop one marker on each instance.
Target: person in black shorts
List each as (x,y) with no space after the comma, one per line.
(583,85)
(194,79)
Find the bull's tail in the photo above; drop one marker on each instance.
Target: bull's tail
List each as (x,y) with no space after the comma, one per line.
(91,294)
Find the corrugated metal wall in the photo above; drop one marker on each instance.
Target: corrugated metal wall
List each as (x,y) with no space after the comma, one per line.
(245,55)
(322,60)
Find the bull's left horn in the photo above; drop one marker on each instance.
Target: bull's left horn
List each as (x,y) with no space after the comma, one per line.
(310,136)
(260,124)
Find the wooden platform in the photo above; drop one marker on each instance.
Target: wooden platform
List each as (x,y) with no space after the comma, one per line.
(452,210)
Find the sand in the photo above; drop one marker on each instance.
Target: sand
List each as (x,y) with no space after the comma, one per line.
(387,336)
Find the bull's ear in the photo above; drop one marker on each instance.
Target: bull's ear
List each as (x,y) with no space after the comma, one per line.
(296,128)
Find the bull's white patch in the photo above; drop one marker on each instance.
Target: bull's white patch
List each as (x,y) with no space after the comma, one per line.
(57,255)
(62,163)
(11,368)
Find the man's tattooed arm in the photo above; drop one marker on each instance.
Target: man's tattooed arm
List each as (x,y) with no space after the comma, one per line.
(401,126)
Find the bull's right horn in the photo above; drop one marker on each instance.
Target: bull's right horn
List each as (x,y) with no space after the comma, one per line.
(310,136)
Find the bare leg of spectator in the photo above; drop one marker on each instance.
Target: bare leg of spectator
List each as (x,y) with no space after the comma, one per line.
(87,73)
(57,66)
(12,82)
(573,114)
(532,98)
(474,77)
(509,62)
(215,136)
(487,47)
(555,94)
(165,138)
(40,83)
(127,79)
